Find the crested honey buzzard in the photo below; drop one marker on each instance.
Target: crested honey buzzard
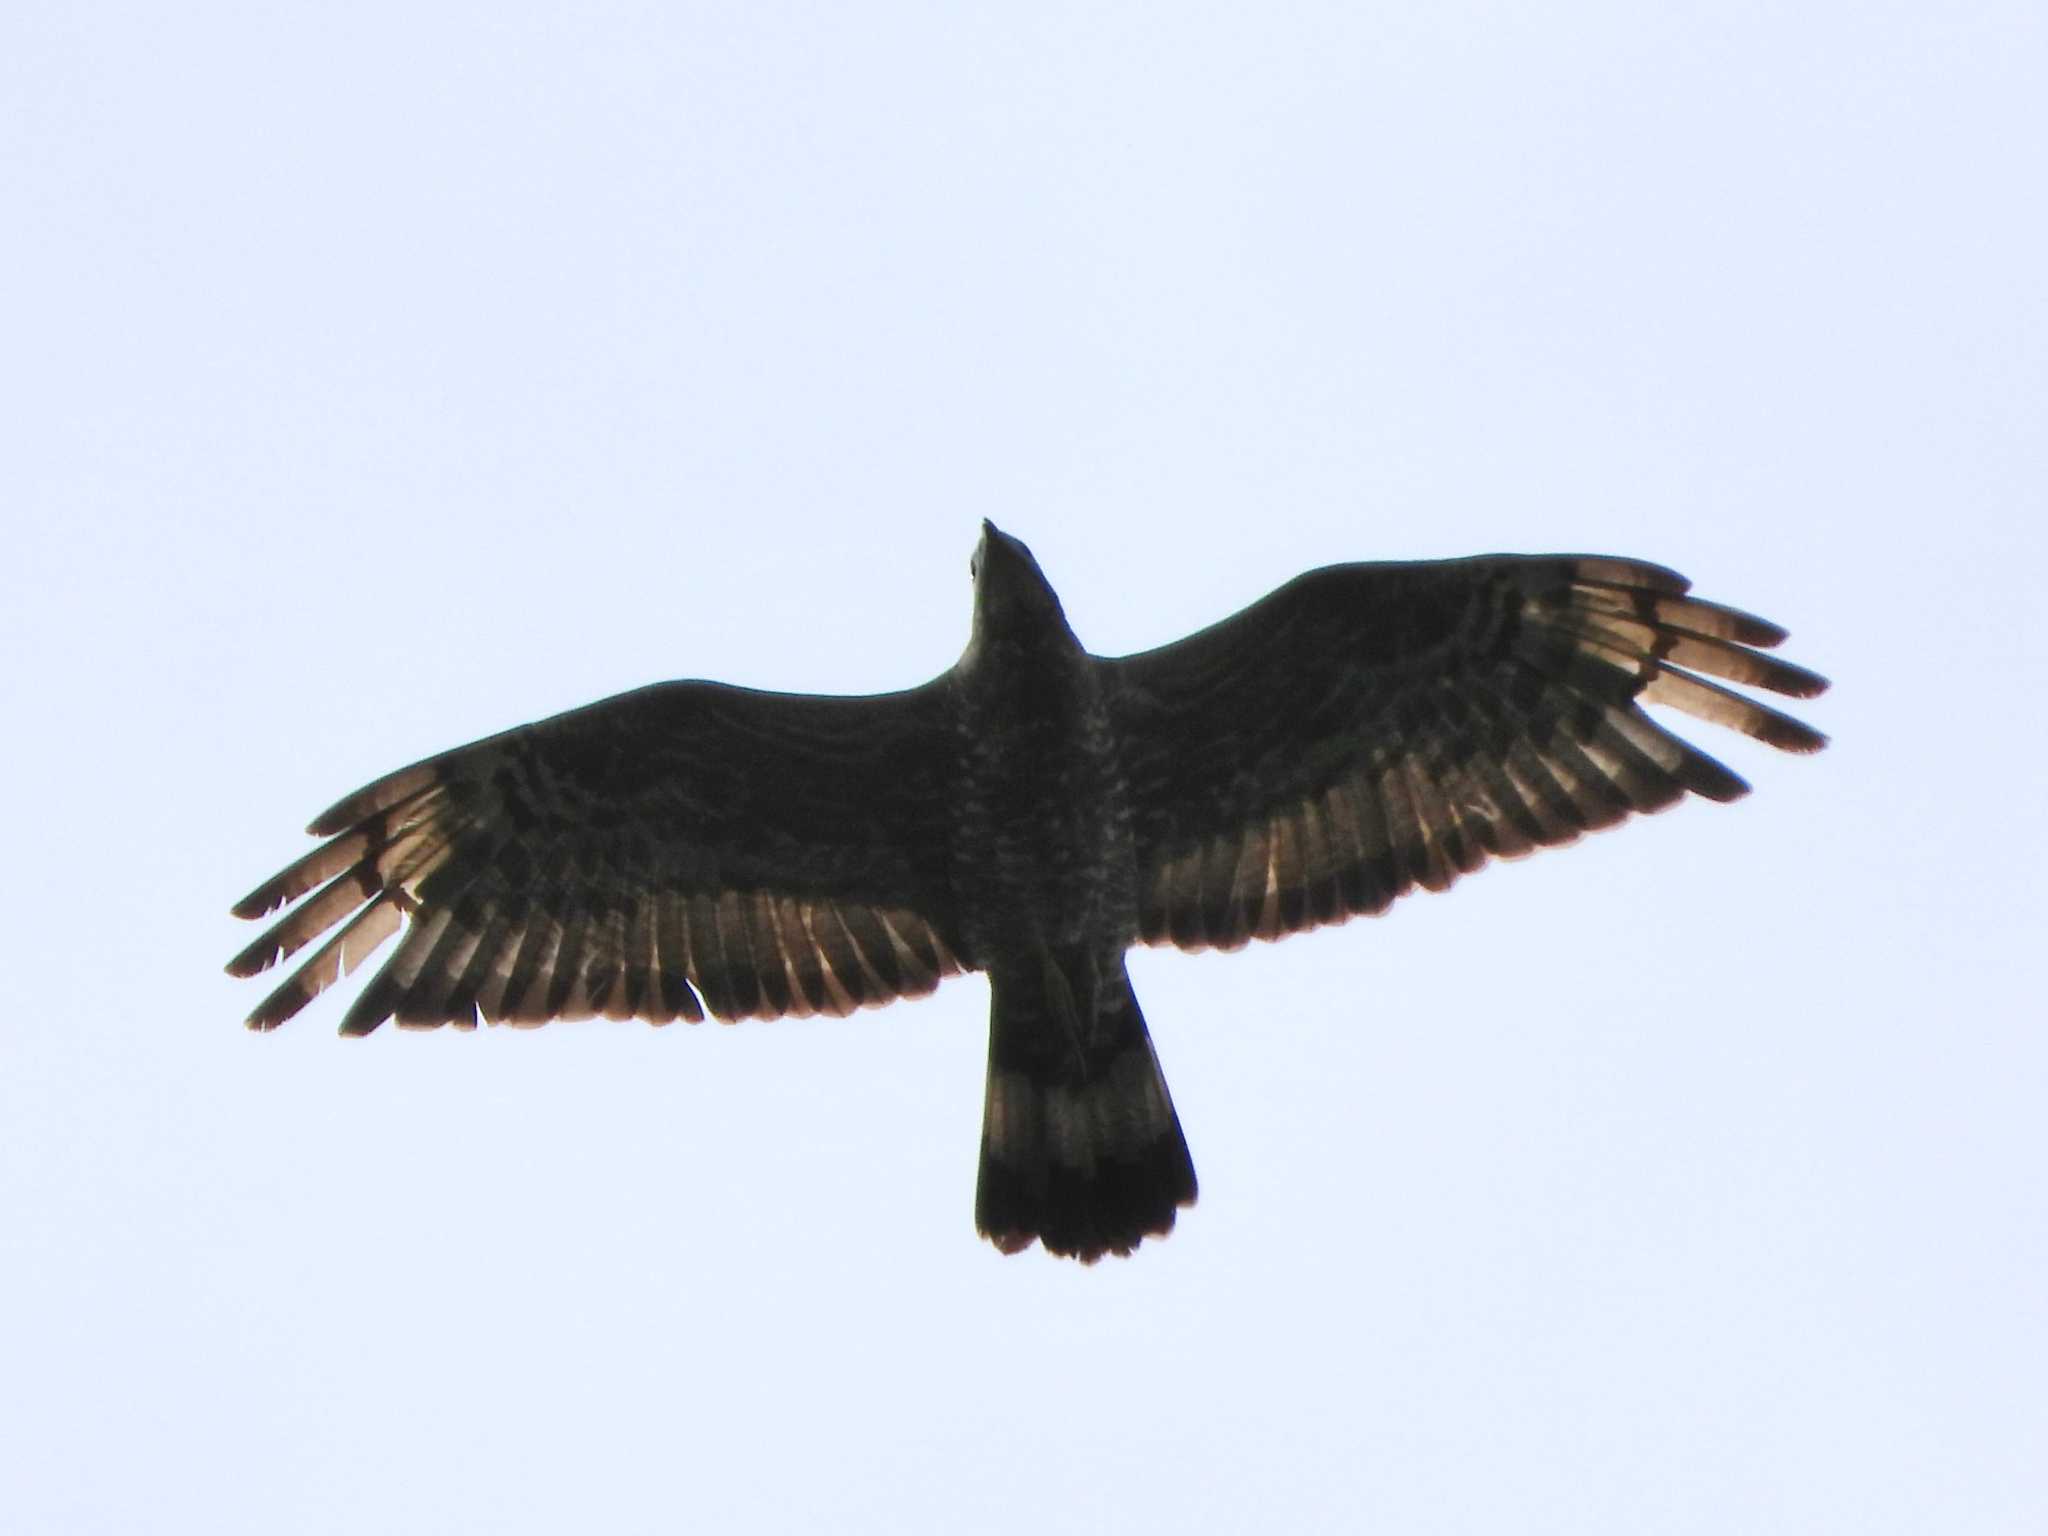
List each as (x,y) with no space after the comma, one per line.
(1033,812)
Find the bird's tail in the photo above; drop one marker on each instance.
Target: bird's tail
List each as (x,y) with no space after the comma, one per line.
(1080,1147)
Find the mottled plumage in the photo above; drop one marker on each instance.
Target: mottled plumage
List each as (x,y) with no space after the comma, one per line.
(692,848)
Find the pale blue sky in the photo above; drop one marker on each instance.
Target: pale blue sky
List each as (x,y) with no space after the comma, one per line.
(375,378)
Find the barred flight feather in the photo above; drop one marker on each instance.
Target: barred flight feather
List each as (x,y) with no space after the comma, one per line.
(1525,731)
(532,904)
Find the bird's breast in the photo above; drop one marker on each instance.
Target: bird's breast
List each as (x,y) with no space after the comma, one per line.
(1043,854)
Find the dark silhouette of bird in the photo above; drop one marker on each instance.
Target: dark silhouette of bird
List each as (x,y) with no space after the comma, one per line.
(693,848)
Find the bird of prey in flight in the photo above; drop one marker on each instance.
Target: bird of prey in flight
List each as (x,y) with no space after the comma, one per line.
(1033,812)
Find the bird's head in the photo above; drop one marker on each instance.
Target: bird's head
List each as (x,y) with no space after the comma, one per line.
(1013,602)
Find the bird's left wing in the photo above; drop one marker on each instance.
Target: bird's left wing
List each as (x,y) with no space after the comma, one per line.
(1367,729)
(682,848)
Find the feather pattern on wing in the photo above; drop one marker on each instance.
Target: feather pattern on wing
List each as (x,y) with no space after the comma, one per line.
(685,849)
(1368,729)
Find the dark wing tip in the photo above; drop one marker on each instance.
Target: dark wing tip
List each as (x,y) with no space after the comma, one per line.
(1709,778)
(262,901)
(257,958)
(1748,628)
(1789,735)
(1800,683)
(278,1007)
(391,790)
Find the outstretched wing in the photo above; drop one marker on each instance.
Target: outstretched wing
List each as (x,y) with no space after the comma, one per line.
(1370,728)
(683,848)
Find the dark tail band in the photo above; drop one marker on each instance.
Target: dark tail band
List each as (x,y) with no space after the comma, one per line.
(1080,1146)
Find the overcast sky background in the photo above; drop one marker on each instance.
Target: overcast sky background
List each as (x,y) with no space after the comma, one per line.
(374,378)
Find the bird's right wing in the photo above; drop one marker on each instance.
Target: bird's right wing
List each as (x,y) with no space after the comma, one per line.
(683,848)
(1367,729)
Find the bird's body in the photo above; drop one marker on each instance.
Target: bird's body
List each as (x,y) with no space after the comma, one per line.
(1080,1144)
(1044,856)
(1031,813)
